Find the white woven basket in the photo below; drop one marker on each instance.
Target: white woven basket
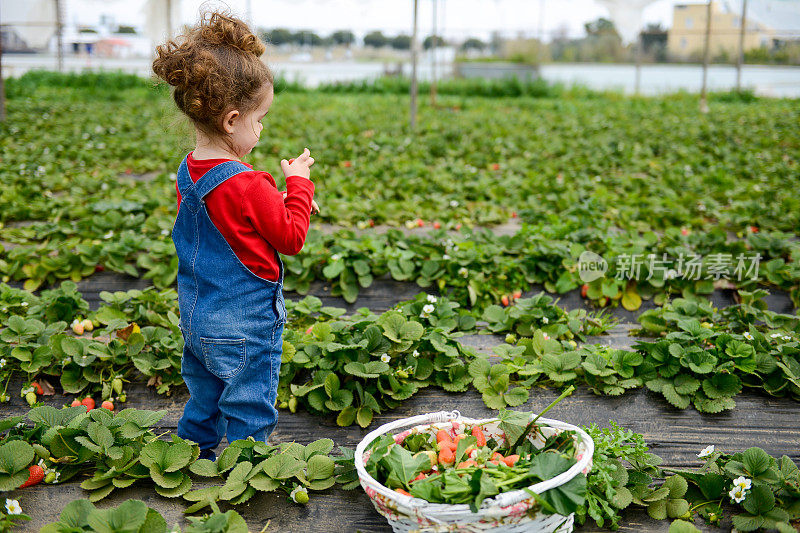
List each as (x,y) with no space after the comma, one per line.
(508,512)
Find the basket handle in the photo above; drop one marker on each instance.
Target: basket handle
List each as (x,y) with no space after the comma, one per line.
(429,418)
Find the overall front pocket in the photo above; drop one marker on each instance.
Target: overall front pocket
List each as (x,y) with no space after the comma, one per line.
(224,357)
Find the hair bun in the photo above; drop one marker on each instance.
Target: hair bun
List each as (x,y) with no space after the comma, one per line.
(223,30)
(214,66)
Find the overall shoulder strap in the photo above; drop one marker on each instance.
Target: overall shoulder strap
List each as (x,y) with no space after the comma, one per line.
(218,175)
(184,179)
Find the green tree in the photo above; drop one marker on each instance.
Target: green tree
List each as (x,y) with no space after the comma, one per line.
(427,44)
(278,36)
(401,42)
(473,44)
(343,37)
(375,39)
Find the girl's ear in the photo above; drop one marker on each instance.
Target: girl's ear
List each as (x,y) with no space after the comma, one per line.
(229,121)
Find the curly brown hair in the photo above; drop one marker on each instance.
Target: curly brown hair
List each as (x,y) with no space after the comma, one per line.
(215,67)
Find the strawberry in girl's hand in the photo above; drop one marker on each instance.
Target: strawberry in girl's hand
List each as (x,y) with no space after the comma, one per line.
(36,475)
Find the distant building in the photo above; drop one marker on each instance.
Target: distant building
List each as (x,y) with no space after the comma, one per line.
(686,37)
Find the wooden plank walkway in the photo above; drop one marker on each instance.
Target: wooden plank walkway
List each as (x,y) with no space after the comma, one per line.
(676,435)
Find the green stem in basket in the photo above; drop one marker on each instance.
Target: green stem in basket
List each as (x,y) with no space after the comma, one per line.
(532,423)
(564,394)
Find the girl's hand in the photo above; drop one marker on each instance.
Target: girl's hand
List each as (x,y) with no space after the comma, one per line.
(298,167)
(314,206)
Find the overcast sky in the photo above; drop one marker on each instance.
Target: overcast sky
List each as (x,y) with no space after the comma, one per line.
(459,17)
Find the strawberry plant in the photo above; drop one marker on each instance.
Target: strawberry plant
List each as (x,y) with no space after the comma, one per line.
(133,516)
(247,467)
(541,312)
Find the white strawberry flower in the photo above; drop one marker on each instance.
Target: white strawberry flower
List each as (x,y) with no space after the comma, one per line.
(431,298)
(453,203)
(164,232)
(775,335)
(742,483)
(747,335)
(463,272)
(428,309)
(446,257)
(109,234)
(545,320)
(12,507)
(737,494)
(415,354)
(24,304)
(336,257)
(2,362)
(787,338)
(705,452)
(385,358)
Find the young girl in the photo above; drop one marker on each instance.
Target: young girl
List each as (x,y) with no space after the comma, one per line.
(232,223)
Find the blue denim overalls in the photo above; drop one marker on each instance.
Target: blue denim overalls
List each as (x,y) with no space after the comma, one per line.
(232,322)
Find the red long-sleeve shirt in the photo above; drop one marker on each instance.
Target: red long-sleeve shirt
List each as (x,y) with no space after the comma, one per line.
(253,216)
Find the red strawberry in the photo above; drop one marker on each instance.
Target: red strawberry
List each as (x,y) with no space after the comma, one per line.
(128,171)
(75,402)
(99,268)
(584,290)
(513,214)
(754,229)
(684,231)
(39,389)
(504,299)
(517,294)
(291,161)
(458,226)
(107,405)
(496,166)
(437,225)
(36,476)
(420,222)
(309,330)
(347,164)
(371,223)
(88,402)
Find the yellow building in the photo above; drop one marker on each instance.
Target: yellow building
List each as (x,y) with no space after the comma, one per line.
(687,34)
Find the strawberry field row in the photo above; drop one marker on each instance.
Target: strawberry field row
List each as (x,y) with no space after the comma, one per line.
(354,367)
